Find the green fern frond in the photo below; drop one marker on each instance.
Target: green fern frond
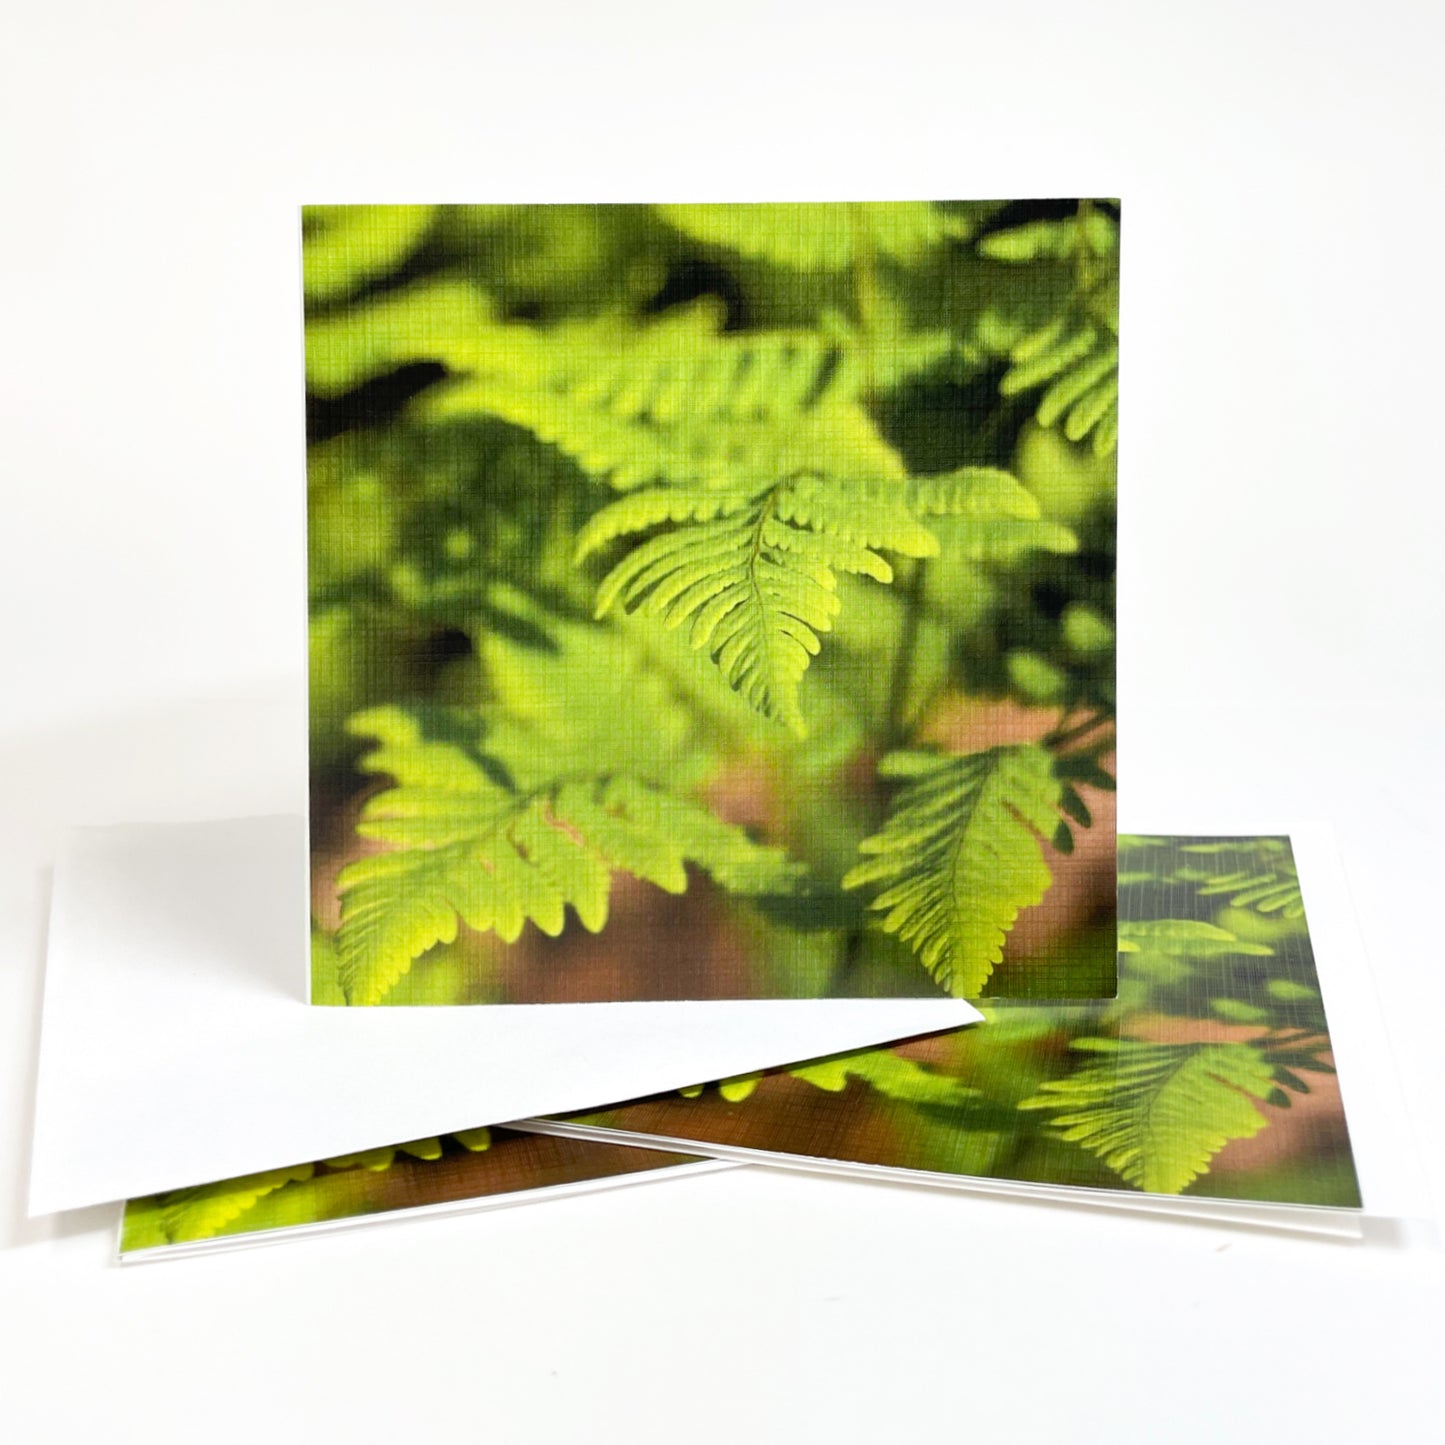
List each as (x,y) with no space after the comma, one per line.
(466,847)
(569,705)
(755,573)
(204,1212)
(1273,848)
(325,971)
(890,1074)
(988,515)
(200,1213)
(891,350)
(740,1087)
(982,494)
(971,533)
(820,235)
(959,855)
(1088,232)
(674,401)
(1269,884)
(1264,892)
(1185,938)
(676,398)
(1081,370)
(753,452)
(1074,354)
(379,1160)
(1156,1114)
(375,1161)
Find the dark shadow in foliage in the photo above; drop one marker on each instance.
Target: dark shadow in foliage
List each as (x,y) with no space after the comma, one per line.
(691,280)
(375,403)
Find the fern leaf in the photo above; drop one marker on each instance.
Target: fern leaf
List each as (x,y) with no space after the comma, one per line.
(674,401)
(1082,375)
(736,1089)
(206,1210)
(1269,885)
(819,235)
(959,855)
(468,848)
(569,705)
(1185,938)
(377,1161)
(754,573)
(1156,1114)
(1264,892)
(990,516)
(984,493)
(1073,353)
(1035,364)
(1089,232)
(890,1074)
(752,472)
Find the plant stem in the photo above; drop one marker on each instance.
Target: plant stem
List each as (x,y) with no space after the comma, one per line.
(868,303)
(866,296)
(1059,738)
(895,727)
(895,733)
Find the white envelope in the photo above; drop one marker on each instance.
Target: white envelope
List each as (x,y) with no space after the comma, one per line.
(176,1044)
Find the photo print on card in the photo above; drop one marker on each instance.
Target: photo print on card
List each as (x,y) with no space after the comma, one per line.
(712,600)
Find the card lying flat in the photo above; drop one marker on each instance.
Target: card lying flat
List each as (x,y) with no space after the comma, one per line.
(436,1175)
(1207,1088)
(712,601)
(453,1174)
(175,1047)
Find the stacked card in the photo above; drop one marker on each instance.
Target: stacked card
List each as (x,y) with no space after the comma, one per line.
(1207,1088)
(712,668)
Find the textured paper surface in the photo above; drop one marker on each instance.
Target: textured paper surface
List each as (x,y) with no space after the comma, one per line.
(1207,1088)
(297,1200)
(176,1048)
(1379,1143)
(712,601)
(480,1169)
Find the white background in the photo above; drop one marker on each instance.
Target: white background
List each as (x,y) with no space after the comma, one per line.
(1280,657)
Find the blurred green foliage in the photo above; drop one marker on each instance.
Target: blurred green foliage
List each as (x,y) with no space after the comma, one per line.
(275,1198)
(612,506)
(1214,1031)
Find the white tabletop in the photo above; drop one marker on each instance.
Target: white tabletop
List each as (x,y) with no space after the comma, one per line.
(1280,629)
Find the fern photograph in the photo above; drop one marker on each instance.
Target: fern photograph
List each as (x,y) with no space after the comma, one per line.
(1210,1075)
(479,1164)
(712,601)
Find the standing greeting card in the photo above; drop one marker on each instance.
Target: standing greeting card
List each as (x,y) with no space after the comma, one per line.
(712,601)
(712,661)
